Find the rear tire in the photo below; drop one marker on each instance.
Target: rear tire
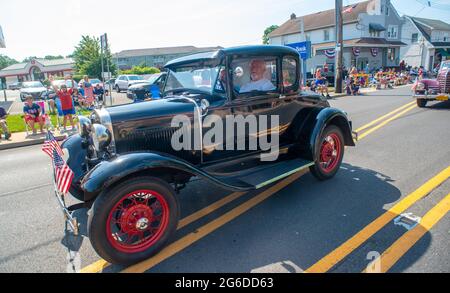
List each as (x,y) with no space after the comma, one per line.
(329,153)
(133,220)
(421,103)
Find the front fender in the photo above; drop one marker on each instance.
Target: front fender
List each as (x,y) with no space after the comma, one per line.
(316,122)
(76,160)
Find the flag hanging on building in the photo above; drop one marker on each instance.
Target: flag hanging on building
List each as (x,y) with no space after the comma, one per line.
(349,9)
(63,174)
(50,145)
(356,51)
(374,52)
(330,53)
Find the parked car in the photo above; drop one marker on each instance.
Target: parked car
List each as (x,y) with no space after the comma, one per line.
(109,84)
(434,89)
(15,86)
(124,81)
(129,172)
(142,91)
(34,88)
(95,81)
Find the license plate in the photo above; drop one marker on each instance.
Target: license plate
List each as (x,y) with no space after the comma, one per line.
(442,98)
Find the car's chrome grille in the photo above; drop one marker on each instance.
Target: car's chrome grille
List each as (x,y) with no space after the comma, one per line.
(444,82)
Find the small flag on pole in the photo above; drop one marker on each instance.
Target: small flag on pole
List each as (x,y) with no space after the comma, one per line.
(50,145)
(63,174)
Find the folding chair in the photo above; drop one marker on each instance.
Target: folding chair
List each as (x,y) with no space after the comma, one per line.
(47,122)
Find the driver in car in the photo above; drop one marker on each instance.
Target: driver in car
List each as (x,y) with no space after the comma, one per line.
(257,80)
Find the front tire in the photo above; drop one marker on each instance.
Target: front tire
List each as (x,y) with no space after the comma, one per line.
(117,89)
(421,103)
(329,153)
(133,220)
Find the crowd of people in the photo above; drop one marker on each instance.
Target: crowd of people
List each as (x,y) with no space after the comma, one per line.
(67,97)
(382,78)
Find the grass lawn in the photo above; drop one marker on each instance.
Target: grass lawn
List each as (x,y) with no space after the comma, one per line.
(16,123)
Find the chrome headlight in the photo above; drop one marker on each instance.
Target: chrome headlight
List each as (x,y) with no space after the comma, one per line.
(84,126)
(101,137)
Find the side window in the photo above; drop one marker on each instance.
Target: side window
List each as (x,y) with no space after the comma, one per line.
(290,73)
(254,75)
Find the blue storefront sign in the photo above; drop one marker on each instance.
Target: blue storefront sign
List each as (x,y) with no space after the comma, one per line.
(303,48)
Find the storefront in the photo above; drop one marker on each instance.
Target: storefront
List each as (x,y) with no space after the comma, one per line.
(36,69)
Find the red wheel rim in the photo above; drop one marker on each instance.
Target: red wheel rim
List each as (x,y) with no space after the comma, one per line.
(330,152)
(137,221)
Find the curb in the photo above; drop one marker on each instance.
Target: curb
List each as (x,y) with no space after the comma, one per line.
(28,143)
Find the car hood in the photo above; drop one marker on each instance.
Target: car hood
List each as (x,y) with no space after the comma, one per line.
(170,106)
(136,81)
(139,86)
(32,90)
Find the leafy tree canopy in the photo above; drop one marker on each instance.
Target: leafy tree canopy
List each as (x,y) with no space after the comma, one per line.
(267,31)
(87,56)
(5,61)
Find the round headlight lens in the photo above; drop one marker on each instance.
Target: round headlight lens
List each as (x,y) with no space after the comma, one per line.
(101,137)
(84,126)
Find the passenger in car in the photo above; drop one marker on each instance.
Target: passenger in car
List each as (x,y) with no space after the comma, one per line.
(257,80)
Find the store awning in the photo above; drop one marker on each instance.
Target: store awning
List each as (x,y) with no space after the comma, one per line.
(376,27)
(444,52)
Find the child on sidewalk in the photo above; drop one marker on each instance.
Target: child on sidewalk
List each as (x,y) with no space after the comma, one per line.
(65,95)
(32,113)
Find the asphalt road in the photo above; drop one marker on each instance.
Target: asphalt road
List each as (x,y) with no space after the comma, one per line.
(303,225)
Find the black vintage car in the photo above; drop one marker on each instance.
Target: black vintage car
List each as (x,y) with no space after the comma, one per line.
(129,167)
(143,91)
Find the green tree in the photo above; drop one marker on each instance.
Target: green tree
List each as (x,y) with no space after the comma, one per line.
(52,57)
(267,31)
(5,61)
(87,57)
(141,69)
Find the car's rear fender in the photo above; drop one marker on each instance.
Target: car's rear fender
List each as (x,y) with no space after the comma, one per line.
(314,122)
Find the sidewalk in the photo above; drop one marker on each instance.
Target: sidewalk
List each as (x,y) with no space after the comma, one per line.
(21,139)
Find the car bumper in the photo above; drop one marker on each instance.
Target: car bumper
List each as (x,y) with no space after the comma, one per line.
(438,97)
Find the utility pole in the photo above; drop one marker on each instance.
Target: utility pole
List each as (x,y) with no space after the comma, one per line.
(339,48)
(303,61)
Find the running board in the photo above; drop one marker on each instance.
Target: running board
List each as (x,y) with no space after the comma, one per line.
(258,177)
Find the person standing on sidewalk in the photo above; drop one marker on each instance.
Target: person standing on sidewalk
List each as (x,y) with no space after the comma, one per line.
(65,95)
(3,124)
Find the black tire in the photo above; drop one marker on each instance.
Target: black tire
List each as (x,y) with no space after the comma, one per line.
(117,89)
(421,103)
(107,200)
(317,169)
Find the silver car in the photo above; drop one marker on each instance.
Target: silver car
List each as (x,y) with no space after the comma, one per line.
(124,81)
(33,88)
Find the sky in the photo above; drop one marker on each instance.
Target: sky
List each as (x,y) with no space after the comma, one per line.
(54,27)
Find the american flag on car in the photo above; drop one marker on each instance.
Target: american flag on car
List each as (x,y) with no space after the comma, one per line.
(63,174)
(50,145)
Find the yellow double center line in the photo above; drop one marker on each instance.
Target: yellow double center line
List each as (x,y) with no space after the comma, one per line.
(400,247)
(337,255)
(408,107)
(186,241)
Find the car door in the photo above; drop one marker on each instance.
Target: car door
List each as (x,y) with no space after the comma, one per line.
(255,98)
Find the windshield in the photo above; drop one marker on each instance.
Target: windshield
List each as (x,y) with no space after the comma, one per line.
(32,84)
(95,81)
(135,77)
(445,66)
(201,78)
(154,77)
